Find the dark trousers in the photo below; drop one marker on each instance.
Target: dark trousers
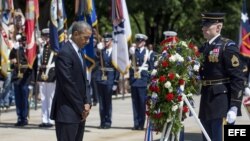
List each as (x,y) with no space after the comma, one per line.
(105,104)
(214,129)
(94,90)
(138,101)
(69,131)
(22,103)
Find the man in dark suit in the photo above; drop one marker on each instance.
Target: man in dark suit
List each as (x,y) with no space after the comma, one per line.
(72,100)
(222,77)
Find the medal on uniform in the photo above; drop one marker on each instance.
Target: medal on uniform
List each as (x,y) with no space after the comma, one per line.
(210,56)
(216,54)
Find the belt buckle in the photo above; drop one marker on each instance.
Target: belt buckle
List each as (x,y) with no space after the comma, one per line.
(137,75)
(104,77)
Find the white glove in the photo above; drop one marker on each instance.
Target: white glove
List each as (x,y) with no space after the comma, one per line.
(132,50)
(18,37)
(114,87)
(232,114)
(30,87)
(100,46)
(247,91)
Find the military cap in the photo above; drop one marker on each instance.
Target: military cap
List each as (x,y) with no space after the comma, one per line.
(210,18)
(169,33)
(141,37)
(45,31)
(107,36)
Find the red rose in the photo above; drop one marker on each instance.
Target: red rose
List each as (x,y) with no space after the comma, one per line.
(158,115)
(181,82)
(185,109)
(147,113)
(157,89)
(197,54)
(164,48)
(154,88)
(151,88)
(162,78)
(169,97)
(191,45)
(179,98)
(164,64)
(171,76)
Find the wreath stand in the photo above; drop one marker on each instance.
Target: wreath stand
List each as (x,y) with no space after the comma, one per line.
(166,132)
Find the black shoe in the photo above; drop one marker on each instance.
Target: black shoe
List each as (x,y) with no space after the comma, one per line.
(102,127)
(135,128)
(21,123)
(18,124)
(140,128)
(107,126)
(45,125)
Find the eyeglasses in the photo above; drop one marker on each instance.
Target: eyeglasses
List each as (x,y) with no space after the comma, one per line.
(138,40)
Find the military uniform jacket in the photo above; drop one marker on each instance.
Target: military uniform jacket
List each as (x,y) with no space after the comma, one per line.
(222,61)
(46,72)
(110,72)
(21,73)
(140,63)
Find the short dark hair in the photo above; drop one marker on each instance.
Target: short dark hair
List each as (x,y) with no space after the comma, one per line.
(80,26)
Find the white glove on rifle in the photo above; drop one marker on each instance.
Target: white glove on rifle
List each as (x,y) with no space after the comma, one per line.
(132,50)
(232,114)
(247,91)
(114,87)
(100,46)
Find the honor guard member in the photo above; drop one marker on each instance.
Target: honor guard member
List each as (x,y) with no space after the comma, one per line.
(139,77)
(107,81)
(21,73)
(222,77)
(46,78)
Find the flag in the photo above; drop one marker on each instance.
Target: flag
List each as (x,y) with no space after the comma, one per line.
(4,45)
(148,133)
(85,11)
(244,39)
(6,5)
(31,15)
(58,19)
(121,34)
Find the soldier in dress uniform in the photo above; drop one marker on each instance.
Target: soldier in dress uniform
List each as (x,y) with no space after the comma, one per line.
(107,80)
(21,73)
(139,77)
(46,78)
(222,77)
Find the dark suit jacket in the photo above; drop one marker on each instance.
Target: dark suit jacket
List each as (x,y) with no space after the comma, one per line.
(72,87)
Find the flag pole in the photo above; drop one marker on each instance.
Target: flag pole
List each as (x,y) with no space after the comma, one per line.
(101,58)
(123,87)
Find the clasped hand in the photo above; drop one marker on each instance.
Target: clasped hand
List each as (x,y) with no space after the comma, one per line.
(85,112)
